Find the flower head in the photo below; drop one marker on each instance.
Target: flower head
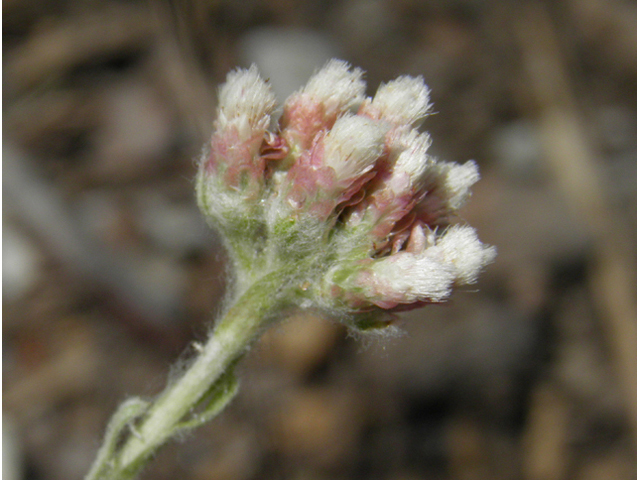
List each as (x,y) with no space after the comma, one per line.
(343,194)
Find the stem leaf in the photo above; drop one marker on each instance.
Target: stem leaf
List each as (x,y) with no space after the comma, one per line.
(211,404)
(129,411)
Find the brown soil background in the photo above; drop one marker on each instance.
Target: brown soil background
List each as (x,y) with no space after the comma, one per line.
(110,274)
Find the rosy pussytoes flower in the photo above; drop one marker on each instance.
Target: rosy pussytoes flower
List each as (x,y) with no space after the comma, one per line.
(341,192)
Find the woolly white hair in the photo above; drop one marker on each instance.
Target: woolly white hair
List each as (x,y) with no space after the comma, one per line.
(450,183)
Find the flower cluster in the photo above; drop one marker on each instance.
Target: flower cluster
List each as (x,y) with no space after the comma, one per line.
(340,191)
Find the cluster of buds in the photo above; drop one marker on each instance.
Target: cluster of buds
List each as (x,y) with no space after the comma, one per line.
(340,191)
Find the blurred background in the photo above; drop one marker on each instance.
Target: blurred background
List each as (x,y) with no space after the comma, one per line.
(109,272)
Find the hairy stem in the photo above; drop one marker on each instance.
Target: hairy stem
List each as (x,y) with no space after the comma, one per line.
(175,409)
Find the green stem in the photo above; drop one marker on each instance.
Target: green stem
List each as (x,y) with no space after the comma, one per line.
(172,410)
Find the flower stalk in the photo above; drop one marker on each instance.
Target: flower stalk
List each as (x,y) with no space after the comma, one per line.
(207,383)
(337,208)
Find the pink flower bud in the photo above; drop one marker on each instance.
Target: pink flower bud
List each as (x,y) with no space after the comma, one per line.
(245,102)
(243,117)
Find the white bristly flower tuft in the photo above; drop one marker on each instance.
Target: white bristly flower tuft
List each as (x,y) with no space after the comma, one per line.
(353,146)
(408,278)
(465,253)
(245,100)
(426,272)
(334,90)
(413,160)
(337,87)
(404,101)
(449,187)
(459,180)
(395,192)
